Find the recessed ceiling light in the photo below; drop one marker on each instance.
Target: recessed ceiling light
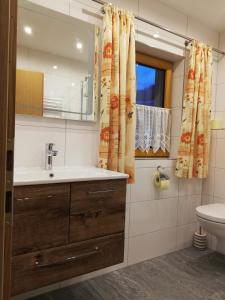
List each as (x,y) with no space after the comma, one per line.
(156,35)
(55,67)
(79,45)
(73,84)
(27,29)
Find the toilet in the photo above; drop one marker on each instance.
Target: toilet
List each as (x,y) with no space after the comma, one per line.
(212,219)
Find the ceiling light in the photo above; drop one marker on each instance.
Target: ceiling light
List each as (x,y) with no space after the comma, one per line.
(27,29)
(79,45)
(73,84)
(156,35)
(55,67)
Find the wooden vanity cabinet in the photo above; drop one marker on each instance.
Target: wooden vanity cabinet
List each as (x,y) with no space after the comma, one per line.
(38,269)
(41,217)
(65,230)
(97,209)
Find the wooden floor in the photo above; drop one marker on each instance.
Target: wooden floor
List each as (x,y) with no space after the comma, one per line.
(183,275)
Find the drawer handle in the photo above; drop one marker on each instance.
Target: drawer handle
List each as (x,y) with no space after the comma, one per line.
(88,214)
(67,260)
(23,199)
(102,191)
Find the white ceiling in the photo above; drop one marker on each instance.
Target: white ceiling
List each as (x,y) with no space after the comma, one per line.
(56,35)
(208,12)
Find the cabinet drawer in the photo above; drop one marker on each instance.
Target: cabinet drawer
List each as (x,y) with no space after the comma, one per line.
(41,217)
(97,209)
(38,269)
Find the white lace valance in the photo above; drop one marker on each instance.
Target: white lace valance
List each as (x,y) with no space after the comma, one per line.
(152,128)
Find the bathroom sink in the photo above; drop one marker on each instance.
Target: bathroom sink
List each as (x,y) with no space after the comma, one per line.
(26,176)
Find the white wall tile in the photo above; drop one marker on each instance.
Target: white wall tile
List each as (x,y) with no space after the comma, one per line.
(212,150)
(144,217)
(159,13)
(190,187)
(177,92)
(154,163)
(88,11)
(215,71)
(127,220)
(222,41)
(206,199)
(151,245)
(185,235)
(220,157)
(178,68)
(82,125)
(167,209)
(39,121)
(208,183)
(219,190)
(144,189)
(176,122)
(213,100)
(149,216)
(81,148)
(219,200)
(175,141)
(200,32)
(128,195)
(220,97)
(30,145)
(186,209)
(61,6)
(131,5)
(221,71)
(220,134)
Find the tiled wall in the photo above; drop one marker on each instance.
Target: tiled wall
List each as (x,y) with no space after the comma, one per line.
(160,221)
(156,222)
(214,186)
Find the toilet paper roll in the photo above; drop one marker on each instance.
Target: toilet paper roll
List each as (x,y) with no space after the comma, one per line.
(157,180)
(164,184)
(160,182)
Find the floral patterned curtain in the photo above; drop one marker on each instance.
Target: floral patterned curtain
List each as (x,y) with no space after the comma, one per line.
(118,92)
(193,153)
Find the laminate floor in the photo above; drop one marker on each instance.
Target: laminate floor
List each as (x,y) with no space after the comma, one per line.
(183,275)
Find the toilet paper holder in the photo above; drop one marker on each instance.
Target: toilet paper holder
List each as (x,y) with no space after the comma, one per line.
(160,167)
(161,180)
(161,174)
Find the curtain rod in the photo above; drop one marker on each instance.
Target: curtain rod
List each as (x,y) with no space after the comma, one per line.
(187,38)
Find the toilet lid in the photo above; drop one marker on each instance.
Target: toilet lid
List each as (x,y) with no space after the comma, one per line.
(212,212)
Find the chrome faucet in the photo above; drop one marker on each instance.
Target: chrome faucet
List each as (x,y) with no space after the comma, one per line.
(49,156)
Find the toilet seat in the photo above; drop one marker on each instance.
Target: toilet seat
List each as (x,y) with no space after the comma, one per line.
(212,212)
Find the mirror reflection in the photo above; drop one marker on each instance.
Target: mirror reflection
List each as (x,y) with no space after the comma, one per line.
(57,69)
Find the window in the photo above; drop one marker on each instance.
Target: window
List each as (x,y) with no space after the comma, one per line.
(154,77)
(150,85)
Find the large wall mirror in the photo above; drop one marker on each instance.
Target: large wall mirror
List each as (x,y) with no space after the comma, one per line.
(57,68)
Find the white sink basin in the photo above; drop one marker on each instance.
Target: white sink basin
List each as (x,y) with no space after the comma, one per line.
(28,176)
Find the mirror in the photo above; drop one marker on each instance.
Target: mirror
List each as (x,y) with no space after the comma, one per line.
(57,68)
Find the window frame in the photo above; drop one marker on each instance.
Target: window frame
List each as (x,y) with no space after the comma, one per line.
(162,64)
